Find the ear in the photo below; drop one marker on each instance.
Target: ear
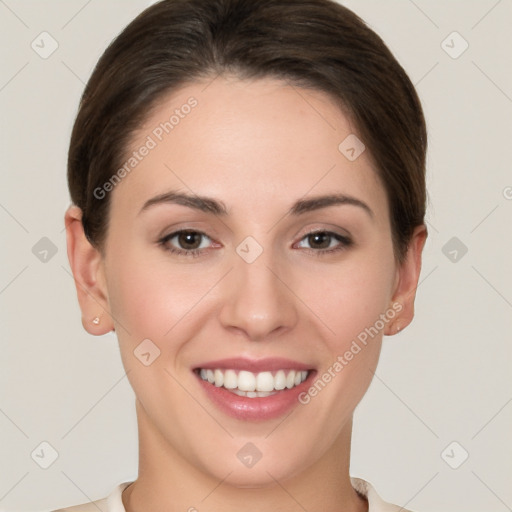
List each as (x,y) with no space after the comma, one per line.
(406,282)
(87,266)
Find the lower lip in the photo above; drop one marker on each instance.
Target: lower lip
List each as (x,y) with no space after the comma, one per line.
(258,408)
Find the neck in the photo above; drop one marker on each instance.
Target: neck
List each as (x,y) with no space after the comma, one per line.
(168,482)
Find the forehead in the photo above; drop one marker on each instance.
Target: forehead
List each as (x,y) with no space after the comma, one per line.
(255,144)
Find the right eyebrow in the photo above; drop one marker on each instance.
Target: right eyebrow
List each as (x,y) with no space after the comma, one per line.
(205,204)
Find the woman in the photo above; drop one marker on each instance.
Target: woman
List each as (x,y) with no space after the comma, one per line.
(248,187)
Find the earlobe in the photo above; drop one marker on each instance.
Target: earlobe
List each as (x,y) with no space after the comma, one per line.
(407,281)
(87,266)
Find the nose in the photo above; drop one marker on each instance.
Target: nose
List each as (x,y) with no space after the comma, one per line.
(258,301)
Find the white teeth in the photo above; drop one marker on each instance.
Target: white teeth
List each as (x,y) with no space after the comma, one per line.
(252,394)
(219,378)
(253,385)
(247,381)
(230,379)
(265,382)
(280,380)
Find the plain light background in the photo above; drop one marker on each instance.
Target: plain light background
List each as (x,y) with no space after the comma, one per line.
(445,379)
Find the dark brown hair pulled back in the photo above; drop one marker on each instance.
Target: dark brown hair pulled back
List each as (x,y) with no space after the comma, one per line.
(317,44)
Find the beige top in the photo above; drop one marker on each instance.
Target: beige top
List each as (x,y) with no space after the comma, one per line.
(114,503)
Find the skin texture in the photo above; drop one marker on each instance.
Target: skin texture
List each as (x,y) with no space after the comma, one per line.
(257,146)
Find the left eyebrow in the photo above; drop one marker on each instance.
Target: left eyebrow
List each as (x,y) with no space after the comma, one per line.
(318,202)
(210,205)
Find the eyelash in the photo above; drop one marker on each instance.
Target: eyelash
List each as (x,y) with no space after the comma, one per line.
(345,242)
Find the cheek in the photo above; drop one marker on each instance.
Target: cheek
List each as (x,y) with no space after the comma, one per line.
(351,302)
(156,300)
(350,297)
(150,300)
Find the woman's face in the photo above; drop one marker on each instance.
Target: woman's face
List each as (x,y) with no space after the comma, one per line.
(249,281)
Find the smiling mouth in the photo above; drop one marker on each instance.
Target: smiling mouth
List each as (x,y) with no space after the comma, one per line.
(253,385)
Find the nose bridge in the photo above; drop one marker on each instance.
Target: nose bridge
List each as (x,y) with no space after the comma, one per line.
(257,301)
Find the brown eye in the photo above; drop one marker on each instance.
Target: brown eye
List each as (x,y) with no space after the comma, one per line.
(189,239)
(325,242)
(319,240)
(186,242)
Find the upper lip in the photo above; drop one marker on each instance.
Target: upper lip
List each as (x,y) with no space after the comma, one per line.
(254,365)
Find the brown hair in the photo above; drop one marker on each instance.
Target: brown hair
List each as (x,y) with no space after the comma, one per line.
(317,44)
